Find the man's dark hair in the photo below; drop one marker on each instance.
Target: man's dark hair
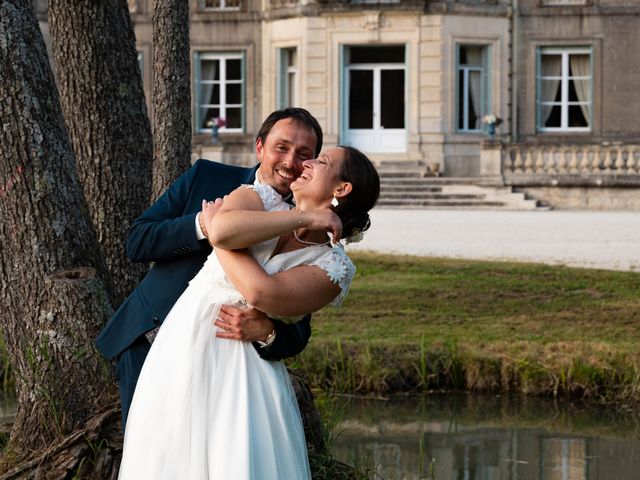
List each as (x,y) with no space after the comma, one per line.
(299,115)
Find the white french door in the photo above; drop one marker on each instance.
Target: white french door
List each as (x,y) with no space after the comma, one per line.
(375,104)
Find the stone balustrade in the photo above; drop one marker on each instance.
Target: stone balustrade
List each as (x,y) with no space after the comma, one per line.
(560,160)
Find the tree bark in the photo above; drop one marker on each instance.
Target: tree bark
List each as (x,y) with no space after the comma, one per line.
(52,299)
(171,93)
(104,108)
(314,431)
(85,454)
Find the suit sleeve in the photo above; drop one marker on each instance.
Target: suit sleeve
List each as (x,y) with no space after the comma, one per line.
(164,231)
(290,339)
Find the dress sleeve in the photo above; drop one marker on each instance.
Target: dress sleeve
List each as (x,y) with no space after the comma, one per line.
(340,270)
(270,198)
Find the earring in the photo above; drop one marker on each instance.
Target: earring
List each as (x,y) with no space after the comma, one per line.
(334,201)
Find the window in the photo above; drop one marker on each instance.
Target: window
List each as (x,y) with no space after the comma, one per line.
(287,77)
(374,92)
(564,458)
(219,90)
(564,89)
(219,4)
(565,2)
(472,87)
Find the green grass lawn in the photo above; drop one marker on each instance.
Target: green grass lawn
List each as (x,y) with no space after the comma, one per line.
(412,323)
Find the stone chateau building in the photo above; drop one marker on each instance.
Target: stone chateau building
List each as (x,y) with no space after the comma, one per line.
(410,82)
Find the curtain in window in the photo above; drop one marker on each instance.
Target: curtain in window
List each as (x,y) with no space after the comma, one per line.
(207,72)
(580,67)
(474,57)
(551,67)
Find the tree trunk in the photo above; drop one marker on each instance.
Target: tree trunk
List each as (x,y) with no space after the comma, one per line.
(314,432)
(171,93)
(53,301)
(104,108)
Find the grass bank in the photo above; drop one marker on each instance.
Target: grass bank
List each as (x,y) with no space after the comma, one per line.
(420,324)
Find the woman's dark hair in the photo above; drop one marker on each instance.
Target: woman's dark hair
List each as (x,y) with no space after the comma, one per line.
(353,209)
(299,115)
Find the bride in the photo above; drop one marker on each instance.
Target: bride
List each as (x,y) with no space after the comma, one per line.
(207,407)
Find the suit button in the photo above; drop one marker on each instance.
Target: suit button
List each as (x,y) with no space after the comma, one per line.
(156,320)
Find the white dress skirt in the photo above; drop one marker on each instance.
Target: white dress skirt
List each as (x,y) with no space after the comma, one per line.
(211,408)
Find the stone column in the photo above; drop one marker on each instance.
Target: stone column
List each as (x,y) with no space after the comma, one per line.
(491,161)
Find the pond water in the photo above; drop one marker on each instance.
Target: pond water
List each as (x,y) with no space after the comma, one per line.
(456,437)
(444,437)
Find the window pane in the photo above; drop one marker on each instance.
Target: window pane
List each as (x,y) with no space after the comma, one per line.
(292,57)
(579,90)
(291,89)
(392,98)
(210,70)
(361,99)
(234,93)
(475,99)
(210,94)
(471,55)
(234,118)
(551,65)
(389,54)
(550,90)
(461,124)
(577,116)
(234,70)
(208,114)
(553,121)
(579,65)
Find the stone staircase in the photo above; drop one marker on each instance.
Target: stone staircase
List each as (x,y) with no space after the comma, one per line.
(405,186)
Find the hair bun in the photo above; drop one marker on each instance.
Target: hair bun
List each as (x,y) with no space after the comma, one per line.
(355,222)
(359,225)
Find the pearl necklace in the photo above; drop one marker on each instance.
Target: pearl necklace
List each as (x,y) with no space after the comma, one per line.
(304,242)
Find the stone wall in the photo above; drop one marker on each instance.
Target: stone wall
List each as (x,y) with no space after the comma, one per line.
(586,198)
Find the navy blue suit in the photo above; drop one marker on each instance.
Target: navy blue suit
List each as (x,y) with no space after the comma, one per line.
(165,234)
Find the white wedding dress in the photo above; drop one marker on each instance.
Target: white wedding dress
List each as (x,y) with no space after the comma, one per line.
(210,408)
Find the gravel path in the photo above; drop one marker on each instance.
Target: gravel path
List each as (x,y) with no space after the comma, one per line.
(608,240)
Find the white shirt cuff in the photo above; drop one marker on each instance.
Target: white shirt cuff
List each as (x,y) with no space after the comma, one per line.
(199,234)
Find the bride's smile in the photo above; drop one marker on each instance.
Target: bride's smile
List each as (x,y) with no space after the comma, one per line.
(320,178)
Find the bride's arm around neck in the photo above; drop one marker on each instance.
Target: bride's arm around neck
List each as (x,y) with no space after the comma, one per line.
(242,221)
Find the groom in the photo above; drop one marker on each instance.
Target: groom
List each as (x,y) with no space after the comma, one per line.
(171,235)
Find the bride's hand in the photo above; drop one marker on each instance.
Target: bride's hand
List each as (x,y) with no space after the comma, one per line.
(209,210)
(324,219)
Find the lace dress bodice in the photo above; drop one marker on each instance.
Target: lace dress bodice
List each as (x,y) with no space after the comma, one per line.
(333,260)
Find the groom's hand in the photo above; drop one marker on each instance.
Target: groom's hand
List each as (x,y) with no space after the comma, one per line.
(248,325)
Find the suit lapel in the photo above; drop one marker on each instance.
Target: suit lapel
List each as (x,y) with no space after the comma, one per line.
(251,174)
